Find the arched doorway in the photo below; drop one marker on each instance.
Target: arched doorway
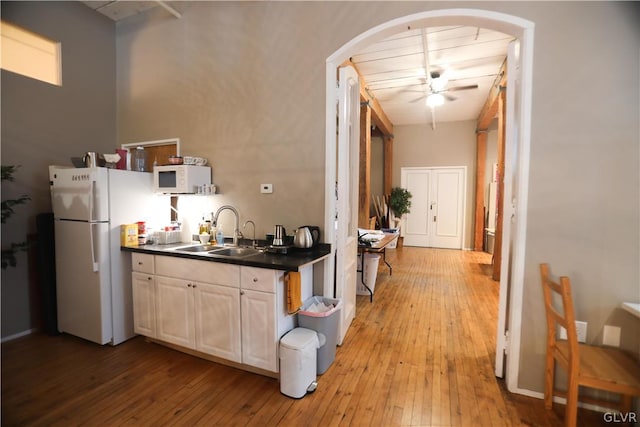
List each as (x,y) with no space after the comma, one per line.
(516,165)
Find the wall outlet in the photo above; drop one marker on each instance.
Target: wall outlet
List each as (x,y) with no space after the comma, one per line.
(581,330)
(611,336)
(266,188)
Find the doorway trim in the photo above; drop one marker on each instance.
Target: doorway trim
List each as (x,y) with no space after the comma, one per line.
(512,25)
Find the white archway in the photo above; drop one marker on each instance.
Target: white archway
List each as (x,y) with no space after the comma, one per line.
(518,163)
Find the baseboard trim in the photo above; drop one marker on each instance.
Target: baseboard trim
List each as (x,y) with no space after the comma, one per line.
(18,335)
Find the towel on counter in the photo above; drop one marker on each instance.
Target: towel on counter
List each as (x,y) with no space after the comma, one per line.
(294,291)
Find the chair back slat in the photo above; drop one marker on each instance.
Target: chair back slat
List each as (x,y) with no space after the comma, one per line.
(555,317)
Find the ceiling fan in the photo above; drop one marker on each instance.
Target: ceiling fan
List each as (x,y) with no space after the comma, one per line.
(438,90)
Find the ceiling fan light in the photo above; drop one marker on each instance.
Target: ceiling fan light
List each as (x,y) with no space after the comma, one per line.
(439,83)
(435,99)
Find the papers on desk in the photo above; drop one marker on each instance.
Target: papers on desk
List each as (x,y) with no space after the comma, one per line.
(369,236)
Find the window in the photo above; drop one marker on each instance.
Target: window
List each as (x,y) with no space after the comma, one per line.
(30,54)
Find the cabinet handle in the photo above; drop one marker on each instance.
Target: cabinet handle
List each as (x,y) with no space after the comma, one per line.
(149,278)
(139,262)
(241,292)
(188,285)
(194,286)
(255,279)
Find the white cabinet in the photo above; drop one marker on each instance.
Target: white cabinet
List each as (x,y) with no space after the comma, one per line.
(144,304)
(259,320)
(144,263)
(233,312)
(174,311)
(198,305)
(217,310)
(259,341)
(143,289)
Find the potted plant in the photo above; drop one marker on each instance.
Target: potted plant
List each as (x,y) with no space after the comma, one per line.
(9,253)
(399,203)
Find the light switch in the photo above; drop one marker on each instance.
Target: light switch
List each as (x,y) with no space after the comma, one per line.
(266,188)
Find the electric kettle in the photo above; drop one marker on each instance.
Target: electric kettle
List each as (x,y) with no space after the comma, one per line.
(306,237)
(279,235)
(90,159)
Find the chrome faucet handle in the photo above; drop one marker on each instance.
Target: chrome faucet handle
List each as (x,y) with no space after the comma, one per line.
(254,242)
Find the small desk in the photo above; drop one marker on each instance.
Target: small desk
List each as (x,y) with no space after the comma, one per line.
(379,246)
(632,307)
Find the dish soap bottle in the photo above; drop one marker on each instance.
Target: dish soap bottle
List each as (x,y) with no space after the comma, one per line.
(220,236)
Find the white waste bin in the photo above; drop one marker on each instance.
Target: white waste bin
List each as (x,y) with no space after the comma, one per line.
(298,353)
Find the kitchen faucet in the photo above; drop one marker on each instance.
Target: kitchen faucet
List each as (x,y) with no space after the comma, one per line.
(254,243)
(236,230)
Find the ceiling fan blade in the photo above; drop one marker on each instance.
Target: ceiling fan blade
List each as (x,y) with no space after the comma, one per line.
(449,97)
(418,99)
(457,88)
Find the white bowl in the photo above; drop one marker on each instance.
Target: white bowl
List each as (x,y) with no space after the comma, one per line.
(204,238)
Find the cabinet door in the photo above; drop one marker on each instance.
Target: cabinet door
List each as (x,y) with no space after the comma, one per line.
(217,311)
(259,340)
(143,263)
(174,311)
(144,306)
(259,279)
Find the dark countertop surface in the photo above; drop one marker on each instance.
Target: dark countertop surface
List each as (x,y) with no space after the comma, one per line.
(292,261)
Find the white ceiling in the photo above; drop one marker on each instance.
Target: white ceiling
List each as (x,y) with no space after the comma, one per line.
(394,70)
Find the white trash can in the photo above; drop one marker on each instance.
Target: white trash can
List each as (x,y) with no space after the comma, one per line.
(370,273)
(298,356)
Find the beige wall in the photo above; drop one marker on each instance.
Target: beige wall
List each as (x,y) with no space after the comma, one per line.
(244,85)
(449,144)
(44,124)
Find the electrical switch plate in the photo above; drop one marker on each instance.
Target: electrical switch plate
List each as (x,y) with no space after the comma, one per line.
(611,336)
(581,331)
(266,188)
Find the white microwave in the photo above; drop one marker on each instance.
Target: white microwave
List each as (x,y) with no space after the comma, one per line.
(180,179)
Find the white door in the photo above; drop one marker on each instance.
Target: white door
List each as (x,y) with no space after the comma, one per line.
(80,194)
(346,233)
(82,280)
(509,225)
(417,222)
(437,206)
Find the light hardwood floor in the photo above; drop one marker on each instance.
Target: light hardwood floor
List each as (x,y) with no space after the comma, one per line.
(421,354)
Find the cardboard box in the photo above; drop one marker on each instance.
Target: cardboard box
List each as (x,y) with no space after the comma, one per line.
(129,235)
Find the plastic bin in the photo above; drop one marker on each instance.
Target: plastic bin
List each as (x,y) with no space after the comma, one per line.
(325,324)
(298,353)
(370,273)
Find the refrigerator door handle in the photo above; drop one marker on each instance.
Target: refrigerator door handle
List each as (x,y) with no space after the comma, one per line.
(92,192)
(93,249)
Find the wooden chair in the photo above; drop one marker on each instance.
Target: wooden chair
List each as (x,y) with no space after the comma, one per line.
(603,368)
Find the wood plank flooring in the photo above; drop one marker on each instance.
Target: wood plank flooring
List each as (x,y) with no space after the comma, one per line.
(421,354)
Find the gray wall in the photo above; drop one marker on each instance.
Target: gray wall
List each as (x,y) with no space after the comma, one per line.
(244,85)
(43,124)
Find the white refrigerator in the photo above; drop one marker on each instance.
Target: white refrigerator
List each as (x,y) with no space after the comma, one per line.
(93,276)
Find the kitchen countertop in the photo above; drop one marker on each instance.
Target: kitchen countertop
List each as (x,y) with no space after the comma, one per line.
(292,261)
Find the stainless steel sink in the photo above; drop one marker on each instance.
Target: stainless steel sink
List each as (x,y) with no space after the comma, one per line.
(198,248)
(234,251)
(219,251)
